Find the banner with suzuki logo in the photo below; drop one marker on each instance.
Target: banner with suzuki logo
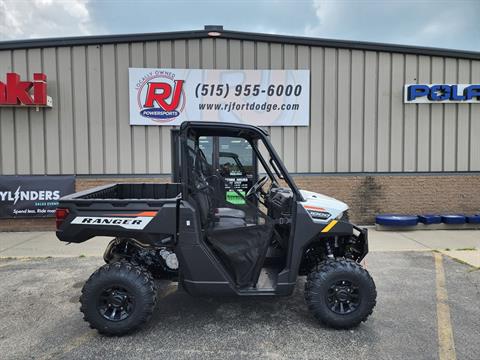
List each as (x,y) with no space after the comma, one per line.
(32,196)
(256,97)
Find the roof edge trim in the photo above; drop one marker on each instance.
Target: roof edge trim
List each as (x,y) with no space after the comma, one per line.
(236,35)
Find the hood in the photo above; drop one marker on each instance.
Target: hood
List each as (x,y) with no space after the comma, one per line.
(314,200)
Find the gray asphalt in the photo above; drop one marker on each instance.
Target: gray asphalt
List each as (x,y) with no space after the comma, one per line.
(40,318)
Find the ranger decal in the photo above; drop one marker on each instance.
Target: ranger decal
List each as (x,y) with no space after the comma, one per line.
(135,223)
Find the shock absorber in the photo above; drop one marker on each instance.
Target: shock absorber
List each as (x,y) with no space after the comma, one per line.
(329,249)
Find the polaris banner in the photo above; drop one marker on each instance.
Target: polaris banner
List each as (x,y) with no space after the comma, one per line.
(32,196)
(256,97)
(441,93)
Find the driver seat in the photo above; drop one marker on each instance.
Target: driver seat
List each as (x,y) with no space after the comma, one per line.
(203,169)
(226,212)
(203,203)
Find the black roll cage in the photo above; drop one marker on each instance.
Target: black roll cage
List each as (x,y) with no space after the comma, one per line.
(249,132)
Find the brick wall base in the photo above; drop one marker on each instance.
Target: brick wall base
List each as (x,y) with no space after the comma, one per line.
(401,194)
(366,195)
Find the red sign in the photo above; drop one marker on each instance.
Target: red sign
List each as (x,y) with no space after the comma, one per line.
(166,91)
(15,92)
(160,96)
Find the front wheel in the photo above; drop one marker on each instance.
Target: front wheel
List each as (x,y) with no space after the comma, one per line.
(118,298)
(340,293)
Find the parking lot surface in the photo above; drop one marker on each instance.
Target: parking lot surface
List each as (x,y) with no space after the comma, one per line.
(40,317)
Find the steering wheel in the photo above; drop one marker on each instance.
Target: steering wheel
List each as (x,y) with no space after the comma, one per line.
(256,187)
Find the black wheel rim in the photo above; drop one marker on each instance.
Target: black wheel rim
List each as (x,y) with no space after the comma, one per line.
(116,303)
(343,297)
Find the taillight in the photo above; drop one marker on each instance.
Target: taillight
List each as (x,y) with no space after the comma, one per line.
(60,215)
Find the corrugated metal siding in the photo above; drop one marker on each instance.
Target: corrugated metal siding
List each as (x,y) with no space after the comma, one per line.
(358,120)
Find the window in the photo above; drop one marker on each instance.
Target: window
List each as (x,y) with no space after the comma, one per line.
(205,143)
(235,157)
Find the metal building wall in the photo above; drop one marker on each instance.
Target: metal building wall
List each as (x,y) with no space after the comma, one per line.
(358,120)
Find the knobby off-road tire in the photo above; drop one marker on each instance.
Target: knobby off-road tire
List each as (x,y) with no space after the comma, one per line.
(340,293)
(118,298)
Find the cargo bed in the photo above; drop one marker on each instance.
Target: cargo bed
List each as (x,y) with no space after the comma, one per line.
(133,191)
(120,210)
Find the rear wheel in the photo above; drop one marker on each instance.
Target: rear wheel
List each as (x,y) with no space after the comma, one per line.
(118,298)
(340,293)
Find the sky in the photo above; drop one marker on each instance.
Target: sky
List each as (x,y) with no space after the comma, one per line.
(449,24)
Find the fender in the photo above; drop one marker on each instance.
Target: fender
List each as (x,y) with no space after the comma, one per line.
(307,232)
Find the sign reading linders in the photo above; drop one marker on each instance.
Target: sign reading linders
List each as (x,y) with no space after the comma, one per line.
(14,92)
(257,97)
(32,196)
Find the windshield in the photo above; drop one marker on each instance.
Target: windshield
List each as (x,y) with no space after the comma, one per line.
(267,165)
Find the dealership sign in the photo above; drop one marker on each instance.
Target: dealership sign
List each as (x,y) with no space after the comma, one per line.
(32,196)
(442,93)
(257,97)
(14,92)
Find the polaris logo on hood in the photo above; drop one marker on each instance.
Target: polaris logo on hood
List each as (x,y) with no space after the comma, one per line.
(29,195)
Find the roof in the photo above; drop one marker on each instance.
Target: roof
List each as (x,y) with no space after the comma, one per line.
(223,128)
(219,32)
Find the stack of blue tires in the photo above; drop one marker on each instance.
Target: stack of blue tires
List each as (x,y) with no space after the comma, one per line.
(396,220)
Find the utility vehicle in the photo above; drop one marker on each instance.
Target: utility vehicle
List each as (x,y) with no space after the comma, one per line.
(191,232)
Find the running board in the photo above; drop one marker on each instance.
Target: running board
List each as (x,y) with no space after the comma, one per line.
(266,284)
(267,281)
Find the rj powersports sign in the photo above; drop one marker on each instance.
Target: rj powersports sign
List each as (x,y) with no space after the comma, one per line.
(14,92)
(257,97)
(442,93)
(32,196)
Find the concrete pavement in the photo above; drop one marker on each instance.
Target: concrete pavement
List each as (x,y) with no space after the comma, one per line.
(48,290)
(40,318)
(463,245)
(45,243)
(470,257)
